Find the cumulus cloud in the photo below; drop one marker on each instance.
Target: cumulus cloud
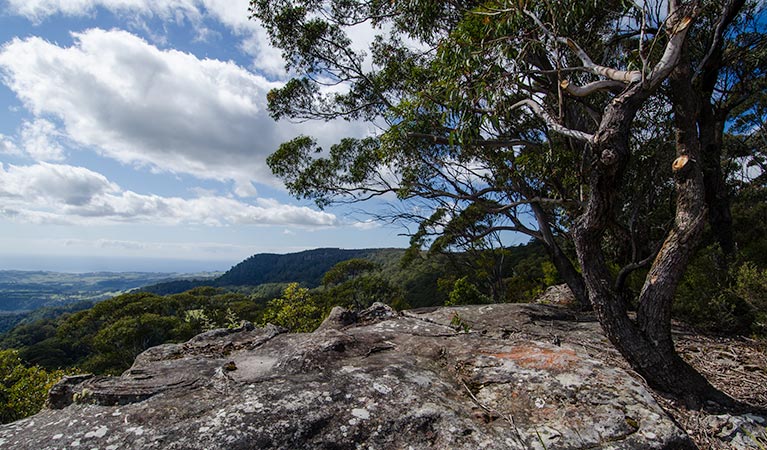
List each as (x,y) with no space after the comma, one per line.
(57,193)
(135,103)
(233,14)
(40,140)
(164,109)
(8,147)
(48,184)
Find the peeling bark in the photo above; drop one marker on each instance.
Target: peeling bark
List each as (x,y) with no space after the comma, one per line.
(647,343)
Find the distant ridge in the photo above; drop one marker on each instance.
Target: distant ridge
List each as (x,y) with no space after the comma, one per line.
(306,267)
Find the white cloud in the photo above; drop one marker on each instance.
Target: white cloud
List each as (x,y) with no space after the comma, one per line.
(63,194)
(163,109)
(368,224)
(39,139)
(8,147)
(135,103)
(233,14)
(52,184)
(38,10)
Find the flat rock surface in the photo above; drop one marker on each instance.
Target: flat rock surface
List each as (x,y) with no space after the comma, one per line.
(492,376)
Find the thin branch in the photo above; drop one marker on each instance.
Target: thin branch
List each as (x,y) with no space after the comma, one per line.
(590,88)
(555,201)
(729,12)
(625,76)
(626,270)
(489,143)
(551,123)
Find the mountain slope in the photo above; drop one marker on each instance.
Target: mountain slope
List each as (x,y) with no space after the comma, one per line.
(305,267)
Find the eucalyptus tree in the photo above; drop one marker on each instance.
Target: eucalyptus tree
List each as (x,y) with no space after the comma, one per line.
(551,119)
(458,189)
(719,84)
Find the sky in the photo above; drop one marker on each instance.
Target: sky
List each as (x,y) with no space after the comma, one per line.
(134,134)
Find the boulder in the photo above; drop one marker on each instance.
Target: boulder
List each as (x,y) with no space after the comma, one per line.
(472,377)
(559,294)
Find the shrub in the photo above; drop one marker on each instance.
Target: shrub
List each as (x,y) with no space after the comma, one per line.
(466,293)
(731,301)
(23,389)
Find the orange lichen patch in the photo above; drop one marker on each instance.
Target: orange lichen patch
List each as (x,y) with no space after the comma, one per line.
(534,357)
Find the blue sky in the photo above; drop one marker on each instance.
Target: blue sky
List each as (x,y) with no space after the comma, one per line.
(134,133)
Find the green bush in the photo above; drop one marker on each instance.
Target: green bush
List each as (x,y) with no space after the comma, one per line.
(23,389)
(751,287)
(297,310)
(732,301)
(466,293)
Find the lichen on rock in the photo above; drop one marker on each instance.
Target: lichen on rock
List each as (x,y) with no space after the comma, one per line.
(376,379)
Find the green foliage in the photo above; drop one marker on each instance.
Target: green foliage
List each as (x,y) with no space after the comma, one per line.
(749,213)
(23,389)
(198,318)
(531,275)
(232,320)
(306,267)
(116,344)
(107,337)
(297,310)
(729,295)
(358,283)
(732,301)
(347,270)
(751,287)
(466,293)
(459,324)
(418,278)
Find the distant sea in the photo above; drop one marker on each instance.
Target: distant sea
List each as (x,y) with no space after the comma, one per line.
(81,264)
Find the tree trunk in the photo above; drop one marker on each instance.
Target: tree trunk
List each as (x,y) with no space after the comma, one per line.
(717,197)
(570,276)
(711,122)
(646,344)
(561,262)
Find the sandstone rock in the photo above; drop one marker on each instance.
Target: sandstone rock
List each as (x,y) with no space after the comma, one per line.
(559,294)
(742,432)
(380,381)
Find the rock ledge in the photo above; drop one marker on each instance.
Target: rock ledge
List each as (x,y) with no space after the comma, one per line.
(493,376)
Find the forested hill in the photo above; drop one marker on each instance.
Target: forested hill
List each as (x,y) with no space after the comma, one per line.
(306,267)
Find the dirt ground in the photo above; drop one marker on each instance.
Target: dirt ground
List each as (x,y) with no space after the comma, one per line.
(735,365)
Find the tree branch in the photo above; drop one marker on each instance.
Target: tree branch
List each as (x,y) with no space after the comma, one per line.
(590,88)
(626,270)
(551,123)
(624,76)
(678,28)
(729,12)
(489,143)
